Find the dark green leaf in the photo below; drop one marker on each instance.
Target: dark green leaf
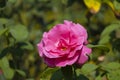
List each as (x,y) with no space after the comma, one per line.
(3,3)
(67,72)
(57,75)
(4,52)
(82,77)
(28,46)
(118,1)
(2,31)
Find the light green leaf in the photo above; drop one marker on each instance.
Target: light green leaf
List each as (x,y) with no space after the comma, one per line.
(109,29)
(105,35)
(111,66)
(113,75)
(47,73)
(98,78)
(78,71)
(64,1)
(3,21)
(116,5)
(12,1)
(22,73)
(87,68)
(7,71)
(104,39)
(19,32)
(100,47)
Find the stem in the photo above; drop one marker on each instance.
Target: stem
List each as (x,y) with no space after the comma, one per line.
(6,36)
(67,72)
(75,75)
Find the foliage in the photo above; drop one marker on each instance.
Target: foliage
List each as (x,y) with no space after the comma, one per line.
(22,23)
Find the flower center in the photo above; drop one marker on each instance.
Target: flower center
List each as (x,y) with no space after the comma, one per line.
(61,45)
(63,48)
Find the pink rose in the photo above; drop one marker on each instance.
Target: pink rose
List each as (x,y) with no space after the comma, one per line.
(64,44)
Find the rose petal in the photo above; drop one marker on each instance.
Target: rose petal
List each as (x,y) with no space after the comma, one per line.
(42,51)
(79,31)
(66,61)
(74,50)
(66,22)
(83,55)
(62,61)
(58,31)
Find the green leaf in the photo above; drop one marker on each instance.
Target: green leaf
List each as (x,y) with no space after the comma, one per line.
(4,52)
(47,73)
(109,29)
(78,70)
(100,47)
(55,75)
(87,68)
(113,75)
(28,46)
(82,77)
(7,71)
(3,3)
(2,31)
(111,66)
(19,32)
(22,73)
(12,1)
(104,40)
(98,78)
(116,5)
(67,72)
(3,21)
(64,1)
(105,35)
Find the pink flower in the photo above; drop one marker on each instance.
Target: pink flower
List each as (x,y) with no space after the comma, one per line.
(64,44)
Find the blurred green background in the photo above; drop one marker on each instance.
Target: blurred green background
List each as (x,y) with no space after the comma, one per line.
(22,23)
